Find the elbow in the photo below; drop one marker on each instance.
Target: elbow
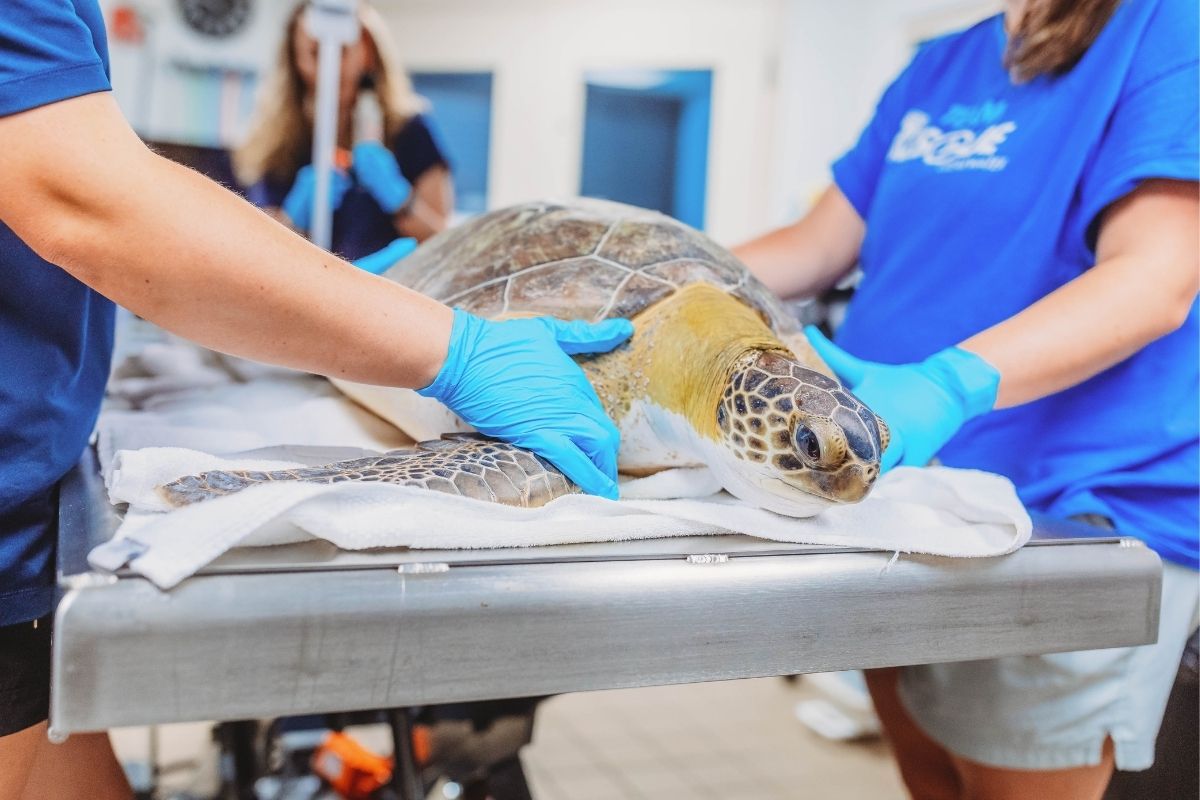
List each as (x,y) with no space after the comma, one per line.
(68,203)
(1177,313)
(1174,308)
(1183,298)
(68,236)
(58,233)
(83,227)
(1159,291)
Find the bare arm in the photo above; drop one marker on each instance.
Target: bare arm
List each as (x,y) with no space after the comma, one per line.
(810,255)
(1142,287)
(185,253)
(428,209)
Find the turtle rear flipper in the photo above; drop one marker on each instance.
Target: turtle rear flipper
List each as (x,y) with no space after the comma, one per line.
(475,467)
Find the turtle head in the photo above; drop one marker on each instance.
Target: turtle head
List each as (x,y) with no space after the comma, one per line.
(798,437)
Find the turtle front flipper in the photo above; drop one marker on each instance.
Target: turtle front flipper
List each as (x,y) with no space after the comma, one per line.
(469,466)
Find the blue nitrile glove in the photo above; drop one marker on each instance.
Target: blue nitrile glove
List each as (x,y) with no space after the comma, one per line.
(381,261)
(515,380)
(298,204)
(377,171)
(924,404)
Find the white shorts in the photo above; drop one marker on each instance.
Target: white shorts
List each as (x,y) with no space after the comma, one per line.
(1055,711)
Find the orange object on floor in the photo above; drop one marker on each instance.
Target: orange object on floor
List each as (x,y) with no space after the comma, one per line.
(356,773)
(353,771)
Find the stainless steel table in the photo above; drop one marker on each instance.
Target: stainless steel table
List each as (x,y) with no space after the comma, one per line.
(305,629)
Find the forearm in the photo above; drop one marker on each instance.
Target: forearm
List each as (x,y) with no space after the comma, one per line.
(428,210)
(1142,287)
(779,259)
(1080,330)
(185,253)
(811,255)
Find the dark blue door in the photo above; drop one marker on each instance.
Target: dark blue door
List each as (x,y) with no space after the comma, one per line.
(462,113)
(645,140)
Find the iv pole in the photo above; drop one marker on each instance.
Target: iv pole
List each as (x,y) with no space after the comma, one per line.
(334,24)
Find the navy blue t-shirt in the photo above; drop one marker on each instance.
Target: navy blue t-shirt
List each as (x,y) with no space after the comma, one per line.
(360,226)
(55,334)
(982,196)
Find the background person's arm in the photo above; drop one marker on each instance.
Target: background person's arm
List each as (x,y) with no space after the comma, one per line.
(1142,287)
(811,255)
(428,209)
(84,192)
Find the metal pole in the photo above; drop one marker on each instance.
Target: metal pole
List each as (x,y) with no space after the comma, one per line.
(334,24)
(406,775)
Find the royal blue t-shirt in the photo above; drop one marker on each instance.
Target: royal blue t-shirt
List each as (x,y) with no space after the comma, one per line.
(55,333)
(981,196)
(360,226)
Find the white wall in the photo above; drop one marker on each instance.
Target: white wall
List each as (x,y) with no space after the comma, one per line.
(539,51)
(837,58)
(794,82)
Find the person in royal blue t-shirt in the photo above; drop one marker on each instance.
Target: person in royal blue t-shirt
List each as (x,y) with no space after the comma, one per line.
(396,182)
(1023,206)
(84,225)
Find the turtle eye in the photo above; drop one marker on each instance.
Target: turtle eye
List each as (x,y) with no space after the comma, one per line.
(807,443)
(820,443)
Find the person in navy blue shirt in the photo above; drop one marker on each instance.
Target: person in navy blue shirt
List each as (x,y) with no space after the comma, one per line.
(90,216)
(1023,207)
(397,184)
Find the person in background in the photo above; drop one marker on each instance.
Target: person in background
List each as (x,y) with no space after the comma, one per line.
(397,181)
(82,227)
(1024,209)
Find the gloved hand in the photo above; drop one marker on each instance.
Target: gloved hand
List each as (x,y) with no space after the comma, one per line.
(298,204)
(381,261)
(377,171)
(923,404)
(515,380)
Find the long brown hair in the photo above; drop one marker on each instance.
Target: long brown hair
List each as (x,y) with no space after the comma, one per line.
(1053,35)
(281,139)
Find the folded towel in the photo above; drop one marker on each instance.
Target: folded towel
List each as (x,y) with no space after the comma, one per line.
(934,510)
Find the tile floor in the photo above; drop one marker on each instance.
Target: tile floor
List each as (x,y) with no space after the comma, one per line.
(721,741)
(736,740)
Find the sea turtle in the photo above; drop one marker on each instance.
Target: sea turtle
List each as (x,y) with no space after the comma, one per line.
(717,374)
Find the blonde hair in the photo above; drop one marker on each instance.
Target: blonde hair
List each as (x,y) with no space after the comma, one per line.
(280,141)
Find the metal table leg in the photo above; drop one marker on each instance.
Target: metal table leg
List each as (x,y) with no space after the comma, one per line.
(406,778)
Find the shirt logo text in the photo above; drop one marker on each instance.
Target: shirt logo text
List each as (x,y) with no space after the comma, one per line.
(952,150)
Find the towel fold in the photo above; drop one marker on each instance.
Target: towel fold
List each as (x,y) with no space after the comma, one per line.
(934,510)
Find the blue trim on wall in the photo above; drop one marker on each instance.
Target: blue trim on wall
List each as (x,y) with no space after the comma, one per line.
(691,171)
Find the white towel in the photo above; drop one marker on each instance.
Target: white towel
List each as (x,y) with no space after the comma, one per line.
(168,392)
(285,408)
(935,510)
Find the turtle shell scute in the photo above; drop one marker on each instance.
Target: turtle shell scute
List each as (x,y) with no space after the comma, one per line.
(586,259)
